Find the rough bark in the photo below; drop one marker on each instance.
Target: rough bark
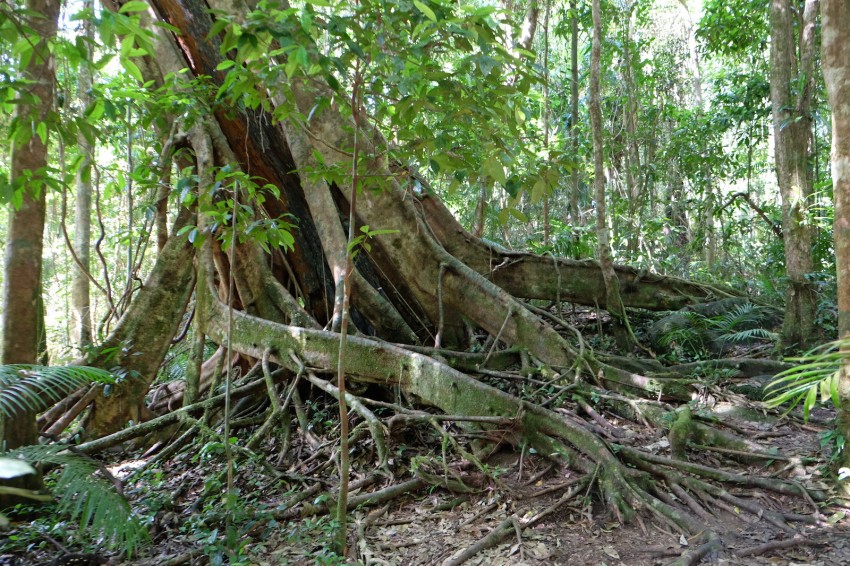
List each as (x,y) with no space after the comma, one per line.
(791,84)
(142,337)
(22,306)
(835,29)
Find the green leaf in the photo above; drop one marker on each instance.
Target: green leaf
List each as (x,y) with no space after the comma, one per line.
(493,168)
(429,13)
(539,189)
(811,400)
(133,69)
(133,6)
(35,388)
(41,130)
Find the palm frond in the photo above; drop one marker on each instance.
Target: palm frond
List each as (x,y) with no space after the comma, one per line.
(33,388)
(818,371)
(89,499)
(745,314)
(749,334)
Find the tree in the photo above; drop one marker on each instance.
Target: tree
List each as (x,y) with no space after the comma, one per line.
(268,192)
(80,295)
(23,315)
(613,300)
(791,86)
(835,28)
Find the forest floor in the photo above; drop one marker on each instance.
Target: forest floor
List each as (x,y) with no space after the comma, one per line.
(428,526)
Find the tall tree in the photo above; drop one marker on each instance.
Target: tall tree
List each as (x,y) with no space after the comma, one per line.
(575,190)
(835,32)
(792,50)
(613,300)
(22,305)
(80,292)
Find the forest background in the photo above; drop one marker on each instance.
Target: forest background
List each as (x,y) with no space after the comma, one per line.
(704,145)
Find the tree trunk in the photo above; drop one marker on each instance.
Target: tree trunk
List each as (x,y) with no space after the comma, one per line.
(835,30)
(142,337)
(791,84)
(613,301)
(632,155)
(81,331)
(24,244)
(575,188)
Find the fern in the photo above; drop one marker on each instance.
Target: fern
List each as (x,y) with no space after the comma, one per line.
(741,323)
(34,388)
(89,499)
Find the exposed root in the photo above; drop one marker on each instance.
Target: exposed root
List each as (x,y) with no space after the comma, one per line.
(776,545)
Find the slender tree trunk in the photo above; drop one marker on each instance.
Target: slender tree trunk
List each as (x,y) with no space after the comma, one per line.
(23,315)
(835,29)
(80,293)
(633,166)
(546,106)
(614,303)
(575,191)
(791,84)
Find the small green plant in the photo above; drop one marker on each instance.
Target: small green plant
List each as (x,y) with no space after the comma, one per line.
(87,498)
(742,323)
(817,371)
(90,500)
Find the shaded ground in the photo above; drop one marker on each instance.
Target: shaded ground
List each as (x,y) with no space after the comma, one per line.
(424,529)
(429,525)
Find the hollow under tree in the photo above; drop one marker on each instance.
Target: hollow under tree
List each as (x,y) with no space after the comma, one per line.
(426,281)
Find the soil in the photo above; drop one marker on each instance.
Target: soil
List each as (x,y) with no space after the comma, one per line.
(428,527)
(424,529)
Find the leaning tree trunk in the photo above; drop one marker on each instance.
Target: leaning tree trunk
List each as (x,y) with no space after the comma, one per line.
(142,337)
(23,314)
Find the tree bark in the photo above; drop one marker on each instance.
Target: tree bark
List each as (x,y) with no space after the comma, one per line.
(22,306)
(791,84)
(613,301)
(81,316)
(835,30)
(142,337)
(575,188)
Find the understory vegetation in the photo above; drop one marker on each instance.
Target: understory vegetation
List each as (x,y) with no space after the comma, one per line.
(424,282)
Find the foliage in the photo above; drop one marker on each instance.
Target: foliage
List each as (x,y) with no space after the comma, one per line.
(814,378)
(217,203)
(88,498)
(33,388)
(742,323)
(733,28)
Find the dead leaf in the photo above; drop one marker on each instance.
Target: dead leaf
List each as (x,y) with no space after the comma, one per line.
(611,551)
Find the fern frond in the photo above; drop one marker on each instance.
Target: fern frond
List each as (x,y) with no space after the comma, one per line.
(34,388)
(90,500)
(744,335)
